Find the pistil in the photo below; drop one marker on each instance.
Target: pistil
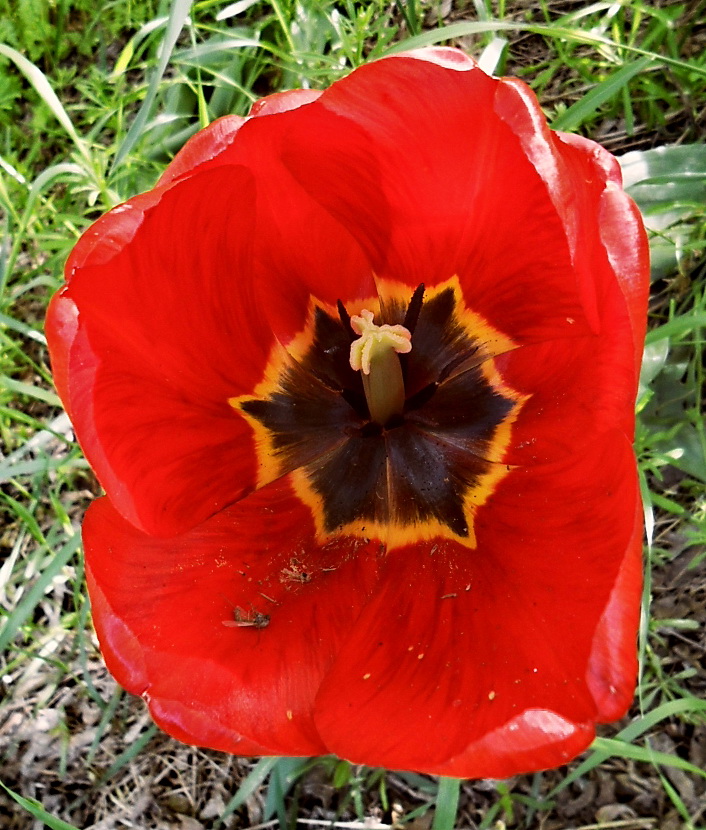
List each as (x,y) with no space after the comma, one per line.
(375,355)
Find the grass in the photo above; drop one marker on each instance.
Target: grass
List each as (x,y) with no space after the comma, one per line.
(94,99)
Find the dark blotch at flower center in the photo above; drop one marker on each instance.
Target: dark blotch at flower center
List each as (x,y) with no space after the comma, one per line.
(423,467)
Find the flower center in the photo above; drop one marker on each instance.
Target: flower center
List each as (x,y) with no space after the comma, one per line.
(392,425)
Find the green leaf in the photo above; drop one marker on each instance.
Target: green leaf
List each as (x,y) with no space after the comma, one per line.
(35,808)
(39,81)
(29,390)
(562,33)
(667,176)
(653,360)
(254,779)
(612,748)
(128,754)
(687,452)
(341,774)
(446,803)
(31,597)
(492,58)
(578,113)
(669,186)
(177,17)
(625,737)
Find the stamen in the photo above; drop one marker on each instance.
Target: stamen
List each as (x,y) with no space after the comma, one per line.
(374,354)
(414,307)
(345,319)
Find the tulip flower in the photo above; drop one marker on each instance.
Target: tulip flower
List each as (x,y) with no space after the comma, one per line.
(358,378)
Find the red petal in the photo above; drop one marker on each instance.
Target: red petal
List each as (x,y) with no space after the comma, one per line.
(620,228)
(164,613)
(110,234)
(445,56)
(623,235)
(483,663)
(613,654)
(516,212)
(60,328)
(626,242)
(206,146)
(413,159)
(280,102)
(167,331)
(578,388)
(301,250)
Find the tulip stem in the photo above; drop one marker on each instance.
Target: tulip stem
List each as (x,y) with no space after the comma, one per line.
(446,803)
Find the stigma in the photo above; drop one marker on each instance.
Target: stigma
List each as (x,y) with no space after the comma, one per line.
(375,340)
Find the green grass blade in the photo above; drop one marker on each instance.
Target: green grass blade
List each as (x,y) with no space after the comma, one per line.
(123,61)
(630,733)
(677,802)
(282,777)
(234,9)
(282,19)
(451,32)
(682,706)
(446,803)
(46,177)
(612,748)
(575,115)
(410,13)
(570,35)
(35,808)
(492,58)
(177,17)
(105,722)
(25,515)
(8,472)
(677,327)
(132,751)
(29,601)
(11,171)
(22,328)
(29,390)
(251,782)
(39,81)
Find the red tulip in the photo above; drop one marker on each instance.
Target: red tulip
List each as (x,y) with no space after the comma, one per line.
(430,565)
